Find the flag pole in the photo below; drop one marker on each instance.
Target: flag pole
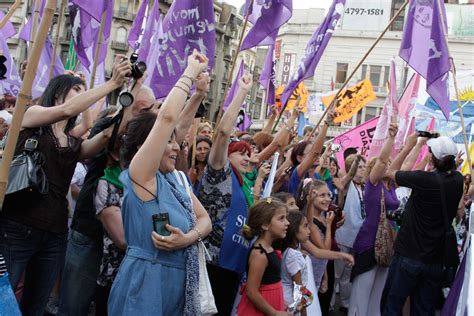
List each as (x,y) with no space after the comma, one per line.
(10,13)
(34,24)
(56,40)
(97,49)
(353,72)
(234,61)
(24,96)
(453,71)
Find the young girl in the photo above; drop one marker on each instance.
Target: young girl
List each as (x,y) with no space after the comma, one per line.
(315,199)
(296,266)
(263,291)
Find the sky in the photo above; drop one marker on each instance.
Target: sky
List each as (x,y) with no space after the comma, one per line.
(297,4)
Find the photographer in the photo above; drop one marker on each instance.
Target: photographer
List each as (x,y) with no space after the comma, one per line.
(416,269)
(85,244)
(33,227)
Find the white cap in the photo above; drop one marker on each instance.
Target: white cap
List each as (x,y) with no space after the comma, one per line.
(442,146)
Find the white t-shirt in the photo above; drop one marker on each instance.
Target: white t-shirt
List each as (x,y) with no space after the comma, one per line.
(293,262)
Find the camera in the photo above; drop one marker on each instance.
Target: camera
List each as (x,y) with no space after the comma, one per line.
(138,67)
(336,147)
(396,215)
(427,134)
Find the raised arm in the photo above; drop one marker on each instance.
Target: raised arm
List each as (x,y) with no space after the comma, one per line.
(186,118)
(410,160)
(378,171)
(271,121)
(410,147)
(218,154)
(346,180)
(146,161)
(85,125)
(37,116)
(309,159)
(281,139)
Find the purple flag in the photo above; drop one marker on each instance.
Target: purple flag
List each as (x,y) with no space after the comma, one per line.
(315,48)
(235,85)
(267,77)
(85,32)
(12,82)
(100,71)
(150,30)
(152,58)
(188,25)
(44,64)
(137,27)
(92,8)
(243,120)
(267,16)
(8,30)
(424,48)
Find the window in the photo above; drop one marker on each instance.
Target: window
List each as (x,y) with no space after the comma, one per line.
(341,72)
(386,76)
(121,36)
(370,112)
(398,23)
(364,72)
(376,75)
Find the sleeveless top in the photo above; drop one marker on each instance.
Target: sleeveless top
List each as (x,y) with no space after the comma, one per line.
(47,212)
(272,272)
(319,265)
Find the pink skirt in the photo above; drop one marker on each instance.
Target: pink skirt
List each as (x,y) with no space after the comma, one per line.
(272,293)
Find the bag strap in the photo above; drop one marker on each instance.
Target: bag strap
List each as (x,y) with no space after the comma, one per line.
(447,226)
(382,201)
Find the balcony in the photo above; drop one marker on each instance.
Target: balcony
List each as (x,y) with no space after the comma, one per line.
(123,13)
(119,46)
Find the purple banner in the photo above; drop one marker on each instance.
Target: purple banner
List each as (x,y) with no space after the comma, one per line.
(235,85)
(151,29)
(8,29)
(315,48)
(137,27)
(267,17)
(188,25)
(267,77)
(12,82)
(424,48)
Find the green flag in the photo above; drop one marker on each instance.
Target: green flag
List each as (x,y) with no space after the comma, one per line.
(71,57)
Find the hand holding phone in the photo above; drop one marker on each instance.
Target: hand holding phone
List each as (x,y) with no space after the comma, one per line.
(159,223)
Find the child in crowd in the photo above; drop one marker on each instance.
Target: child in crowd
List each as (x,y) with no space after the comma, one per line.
(263,292)
(296,266)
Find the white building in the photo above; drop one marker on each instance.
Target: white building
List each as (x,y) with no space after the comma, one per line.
(351,40)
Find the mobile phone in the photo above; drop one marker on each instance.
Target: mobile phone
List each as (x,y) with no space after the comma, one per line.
(159,223)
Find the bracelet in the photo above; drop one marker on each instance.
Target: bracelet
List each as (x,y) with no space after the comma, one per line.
(181,88)
(198,233)
(188,77)
(187,85)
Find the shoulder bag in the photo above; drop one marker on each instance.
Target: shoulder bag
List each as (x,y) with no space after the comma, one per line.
(385,237)
(206,297)
(26,170)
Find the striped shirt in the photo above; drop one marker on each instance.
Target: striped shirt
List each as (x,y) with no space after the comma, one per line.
(3,266)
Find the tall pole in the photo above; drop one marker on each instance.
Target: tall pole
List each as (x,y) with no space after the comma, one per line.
(56,40)
(453,71)
(10,12)
(234,61)
(97,49)
(353,72)
(24,97)
(34,24)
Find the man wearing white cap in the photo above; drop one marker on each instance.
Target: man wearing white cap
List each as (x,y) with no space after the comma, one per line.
(417,267)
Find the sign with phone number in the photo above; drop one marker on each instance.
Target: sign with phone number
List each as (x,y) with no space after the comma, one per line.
(366,15)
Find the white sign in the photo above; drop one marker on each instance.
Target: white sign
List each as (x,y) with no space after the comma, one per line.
(366,15)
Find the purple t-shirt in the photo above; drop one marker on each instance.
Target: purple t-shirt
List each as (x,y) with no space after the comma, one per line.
(365,239)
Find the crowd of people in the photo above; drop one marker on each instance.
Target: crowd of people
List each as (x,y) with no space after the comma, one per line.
(93,244)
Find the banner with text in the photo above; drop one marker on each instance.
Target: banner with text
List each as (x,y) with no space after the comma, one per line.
(352,100)
(366,15)
(359,138)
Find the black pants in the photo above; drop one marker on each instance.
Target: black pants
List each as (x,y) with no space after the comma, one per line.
(102,294)
(325,298)
(411,278)
(225,284)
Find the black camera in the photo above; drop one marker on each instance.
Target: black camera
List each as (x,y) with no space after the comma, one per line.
(396,215)
(138,67)
(427,134)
